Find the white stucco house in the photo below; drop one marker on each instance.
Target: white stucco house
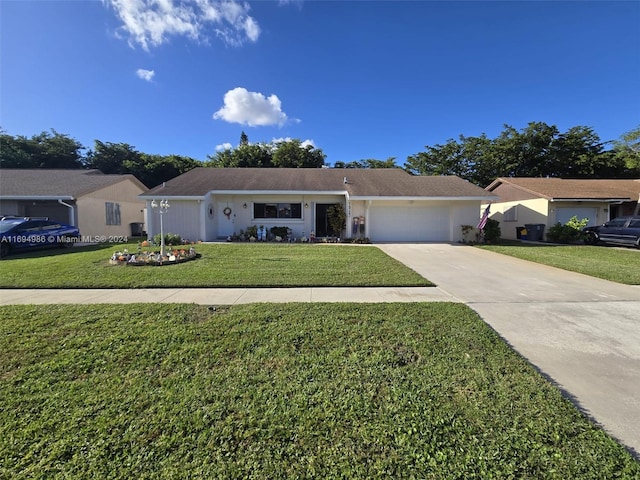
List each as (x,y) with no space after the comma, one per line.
(383,205)
(547,201)
(99,205)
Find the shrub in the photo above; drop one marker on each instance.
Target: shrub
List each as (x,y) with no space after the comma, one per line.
(252,231)
(570,232)
(492,232)
(169,239)
(279,231)
(337,218)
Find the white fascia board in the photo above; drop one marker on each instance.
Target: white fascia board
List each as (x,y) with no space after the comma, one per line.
(592,200)
(483,198)
(278,192)
(36,197)
(172,197)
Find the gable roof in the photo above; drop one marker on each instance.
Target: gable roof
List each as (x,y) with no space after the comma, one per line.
(56,183)
(554,189)
(360,183)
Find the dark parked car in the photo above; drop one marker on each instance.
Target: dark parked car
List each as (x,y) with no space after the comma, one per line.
(21,233)
(619,231)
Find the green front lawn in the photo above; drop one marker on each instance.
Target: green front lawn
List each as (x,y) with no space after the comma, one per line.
(282,391)
(221,265)
(615,264)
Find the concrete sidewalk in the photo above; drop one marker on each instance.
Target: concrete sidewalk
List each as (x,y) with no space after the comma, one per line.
(225,296)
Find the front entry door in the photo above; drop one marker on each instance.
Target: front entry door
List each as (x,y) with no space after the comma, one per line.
(322,220)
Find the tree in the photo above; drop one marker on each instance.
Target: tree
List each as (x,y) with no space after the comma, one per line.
(538,150)
(627,149)
(245,155)
(291,154)
(244,140)
(45,150)
(116,158)
(368,163)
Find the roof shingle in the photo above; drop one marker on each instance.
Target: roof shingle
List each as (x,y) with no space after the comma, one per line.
(35,182)
(562,188)
(384,182)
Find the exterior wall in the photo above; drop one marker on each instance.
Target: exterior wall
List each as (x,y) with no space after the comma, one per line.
(184,217)
(11,207)
(540,211)
(220,226)
(92,219)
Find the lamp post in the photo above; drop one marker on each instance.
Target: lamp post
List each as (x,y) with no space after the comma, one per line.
(162,207)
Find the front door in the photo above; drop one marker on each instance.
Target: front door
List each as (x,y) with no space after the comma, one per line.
(322,220)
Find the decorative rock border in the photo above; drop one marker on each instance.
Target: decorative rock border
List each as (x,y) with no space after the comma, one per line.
(153,259)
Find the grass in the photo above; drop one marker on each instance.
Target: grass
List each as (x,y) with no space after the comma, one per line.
(221,265)
(615,264)
(282,391)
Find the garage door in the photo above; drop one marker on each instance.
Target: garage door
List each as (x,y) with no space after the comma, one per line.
(564,214)
(409,224)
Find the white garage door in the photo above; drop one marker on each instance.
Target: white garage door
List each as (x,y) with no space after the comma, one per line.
(409,224)
(564,214)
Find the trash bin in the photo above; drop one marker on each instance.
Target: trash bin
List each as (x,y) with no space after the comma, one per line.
(519,232)
(136,229)
(535,231)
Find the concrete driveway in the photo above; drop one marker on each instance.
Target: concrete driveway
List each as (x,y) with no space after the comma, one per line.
(581,332)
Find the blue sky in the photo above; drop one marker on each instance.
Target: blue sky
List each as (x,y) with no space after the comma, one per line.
(359,79)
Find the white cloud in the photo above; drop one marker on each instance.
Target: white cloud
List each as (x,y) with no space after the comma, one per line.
(145,74)
(150,22)
(251,108)
(223,146)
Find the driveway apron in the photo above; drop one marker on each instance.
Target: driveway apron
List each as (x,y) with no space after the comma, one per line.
(581,332)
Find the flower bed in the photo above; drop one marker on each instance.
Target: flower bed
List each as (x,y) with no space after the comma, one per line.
(148,258)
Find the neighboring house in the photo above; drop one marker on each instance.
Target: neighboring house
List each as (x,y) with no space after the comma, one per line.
(98,204)
(381,204)
(551,200)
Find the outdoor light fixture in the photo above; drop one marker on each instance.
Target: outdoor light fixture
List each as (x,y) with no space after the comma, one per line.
(162,207)
(244,206)
(306,205)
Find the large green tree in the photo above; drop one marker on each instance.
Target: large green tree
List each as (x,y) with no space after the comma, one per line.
(627,150)
(286,153)
(44,150)
(535,151)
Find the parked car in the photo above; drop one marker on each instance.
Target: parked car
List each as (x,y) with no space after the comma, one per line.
(22,233)
(619,231)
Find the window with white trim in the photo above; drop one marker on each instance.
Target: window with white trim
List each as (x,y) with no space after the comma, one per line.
(277,210)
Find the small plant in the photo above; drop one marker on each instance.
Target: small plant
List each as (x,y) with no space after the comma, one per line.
(337,218)
(466,230)
(279,232)
(570,232)
(252,231)
(169,239)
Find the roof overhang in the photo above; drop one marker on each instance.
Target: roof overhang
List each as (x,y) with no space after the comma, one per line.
(406,198)
(173,197)
(592,200)
(36,197)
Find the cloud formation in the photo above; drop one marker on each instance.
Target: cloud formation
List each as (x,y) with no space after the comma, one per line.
(223,146)
(251,108)
(150,23)
(146,75)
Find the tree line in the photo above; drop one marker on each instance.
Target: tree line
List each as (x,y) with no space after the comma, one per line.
(535,151)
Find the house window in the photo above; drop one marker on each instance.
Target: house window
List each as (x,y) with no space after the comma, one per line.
(277,210)
(113,213)
(511,214)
